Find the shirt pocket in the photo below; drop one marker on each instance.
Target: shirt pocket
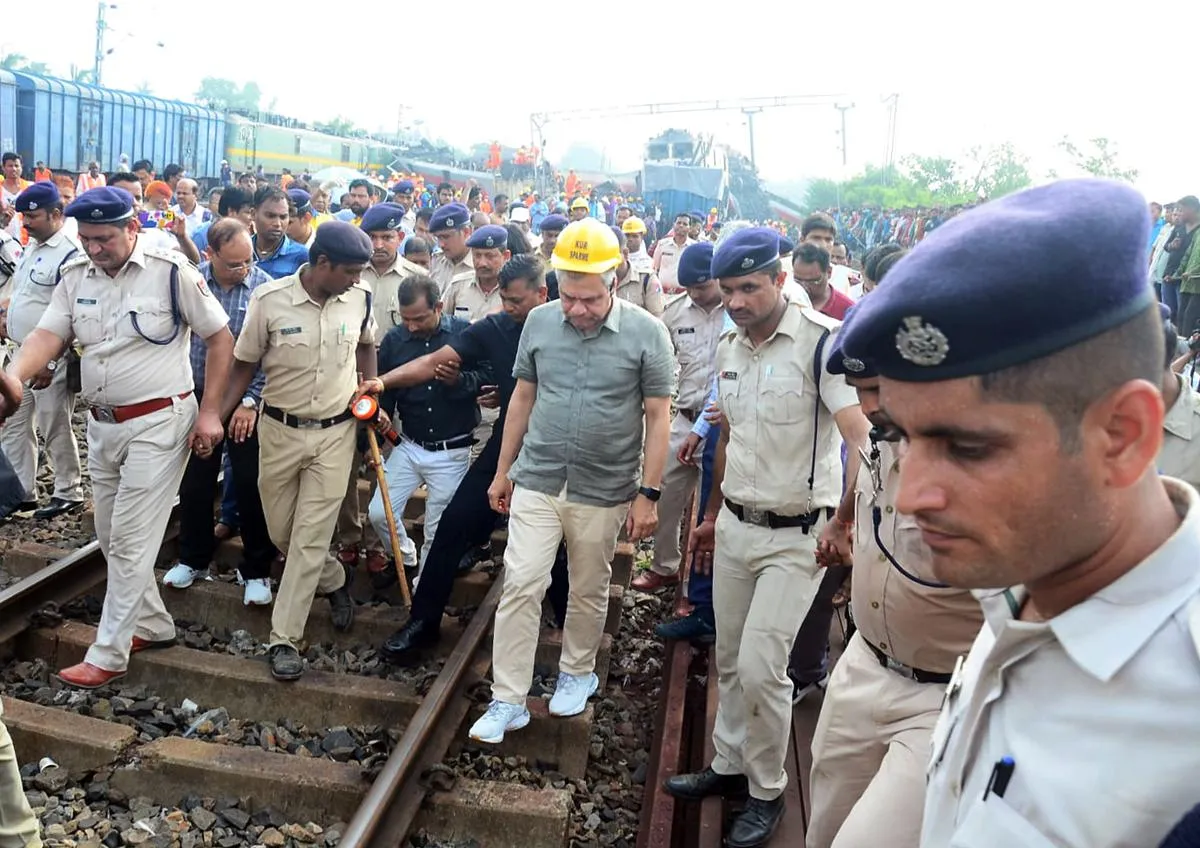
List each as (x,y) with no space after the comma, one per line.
(992,823)
(147,318)
(87,323)
(730,400)
(295,349)
(783,400)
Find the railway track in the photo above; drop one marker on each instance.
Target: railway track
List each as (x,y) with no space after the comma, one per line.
(356,747)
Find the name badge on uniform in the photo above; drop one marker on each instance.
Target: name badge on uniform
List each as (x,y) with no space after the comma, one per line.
(683,331)
(461,309)
(728,375)
(290,331)
(86,301)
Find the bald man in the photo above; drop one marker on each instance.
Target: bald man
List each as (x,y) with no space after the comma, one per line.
(187,193)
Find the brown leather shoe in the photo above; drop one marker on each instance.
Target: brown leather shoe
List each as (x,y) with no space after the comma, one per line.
(88,676)
(650,581)
(348,555)
(139,644)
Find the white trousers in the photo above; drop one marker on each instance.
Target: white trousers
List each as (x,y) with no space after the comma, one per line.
(410,466)
(678,488)
(47,410)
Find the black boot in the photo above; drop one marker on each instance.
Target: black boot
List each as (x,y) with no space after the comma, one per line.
(703,784)
(416,635)
(756,824)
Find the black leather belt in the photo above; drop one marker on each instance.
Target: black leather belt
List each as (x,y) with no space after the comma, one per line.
(449,444)
(773,521)
(917,674)
(289,420)
(690,414)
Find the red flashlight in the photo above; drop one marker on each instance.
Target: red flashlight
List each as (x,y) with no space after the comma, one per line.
(366,408)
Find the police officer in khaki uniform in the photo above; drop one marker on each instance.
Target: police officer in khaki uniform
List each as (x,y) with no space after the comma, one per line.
(1180,453)
(777,479)
(451,226)
(52,402)
(131,308)
(549,230)
(18,824)
(871,744)
(640,287)
(694,320)
(386,271)
(311,331)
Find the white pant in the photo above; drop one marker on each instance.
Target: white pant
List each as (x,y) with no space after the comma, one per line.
(483,430)
(136,469)
(406,469)
(50,409)
(678,488)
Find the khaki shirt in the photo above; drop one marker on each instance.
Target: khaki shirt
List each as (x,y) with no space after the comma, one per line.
(916,625)
(120,366)
(695,335)
(1180,452)
(466,300)
(666,260)
(445,271)
(385,293)
(769,399)
(307,350)
(642,289)
(38,273)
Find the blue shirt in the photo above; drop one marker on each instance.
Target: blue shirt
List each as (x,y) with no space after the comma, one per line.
(433,411)
(286,260)
(702,426)
(234,303)
(200,237)
(1154,231)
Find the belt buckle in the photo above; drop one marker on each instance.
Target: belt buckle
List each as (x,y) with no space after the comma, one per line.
(757,517)
(105,414)
(308,424)
(899,667)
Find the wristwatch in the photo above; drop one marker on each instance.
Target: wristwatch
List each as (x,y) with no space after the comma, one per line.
(52,365)
(249,402)
(649,493)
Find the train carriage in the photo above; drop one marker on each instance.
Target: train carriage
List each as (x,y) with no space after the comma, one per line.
(249,144)
(8,110)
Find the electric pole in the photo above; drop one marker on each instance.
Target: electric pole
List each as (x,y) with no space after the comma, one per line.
(749,113)
(842,139)
(101,7)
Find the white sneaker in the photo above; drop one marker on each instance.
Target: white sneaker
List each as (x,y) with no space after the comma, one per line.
(258,592)
(181,576)
(499,718)
(571,694)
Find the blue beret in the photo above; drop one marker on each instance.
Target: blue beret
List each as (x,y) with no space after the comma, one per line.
(344,243)
(695,264)
(747,251)
(403,186)
(300,198)
(696,215)
(37,196)
(455,216)
(382,216)
(839,363)
(107,205)
(786,246)
(962,303)
(558,223)
(1164,312)
(492,235)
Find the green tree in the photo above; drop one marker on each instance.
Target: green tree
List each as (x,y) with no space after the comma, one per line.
(18,62)
(935,174)
(337,126)
(220,93)
(85,76)
(1099,159)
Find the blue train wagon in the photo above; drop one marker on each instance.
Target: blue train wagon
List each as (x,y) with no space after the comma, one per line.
(67,124)
(8,111)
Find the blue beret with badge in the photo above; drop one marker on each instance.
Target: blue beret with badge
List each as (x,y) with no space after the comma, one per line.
(452,216)
(403,187)
(554,223)
(491,236)
(1008,282)
(342,242)
(839,363)
(301,199)
(382,216)
(745,252)
(37,196)
(695,264)
(104,205)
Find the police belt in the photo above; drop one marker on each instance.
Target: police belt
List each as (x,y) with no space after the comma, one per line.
(121,414)
(916,674)
(764,518)
(444,445)
(289,420)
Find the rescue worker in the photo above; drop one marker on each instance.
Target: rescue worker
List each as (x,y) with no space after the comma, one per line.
(640,288)
(1031,439)
(579,209)
(782,419)
(594,379)
(51,403)
(451,226)
(871,744)
(132,310)
(311,332)
(695,322)
(634,229)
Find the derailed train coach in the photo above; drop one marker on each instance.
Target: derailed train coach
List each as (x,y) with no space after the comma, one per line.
(67,125)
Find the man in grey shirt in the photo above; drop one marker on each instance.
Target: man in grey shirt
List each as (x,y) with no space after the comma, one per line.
(594,374)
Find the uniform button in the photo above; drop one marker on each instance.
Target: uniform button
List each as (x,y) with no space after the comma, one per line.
(874,604)
(882,558)
(883,646)
(888,510)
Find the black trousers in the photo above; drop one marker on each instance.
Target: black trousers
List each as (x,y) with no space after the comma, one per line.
(1189,314)
(807,661)
(468,522)
(197,494)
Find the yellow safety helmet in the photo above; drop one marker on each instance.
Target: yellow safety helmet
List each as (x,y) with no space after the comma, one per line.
(586,247)
(633,224)
(579,203)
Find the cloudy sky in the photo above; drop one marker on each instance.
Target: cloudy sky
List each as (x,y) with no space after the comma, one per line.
(967,73)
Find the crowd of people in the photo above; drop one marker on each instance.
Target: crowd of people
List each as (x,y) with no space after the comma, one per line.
(1005,496)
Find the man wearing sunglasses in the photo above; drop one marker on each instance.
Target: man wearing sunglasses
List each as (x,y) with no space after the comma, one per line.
(48,408)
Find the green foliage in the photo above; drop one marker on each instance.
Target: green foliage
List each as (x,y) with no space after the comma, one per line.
(18,62)
(338,126)
(85,76)
(218,93)
(1100,160)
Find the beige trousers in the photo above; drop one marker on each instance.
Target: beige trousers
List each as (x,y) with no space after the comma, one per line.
(870,750)
(536,525)
(763,584)
(18,826)
(136,468)
(302,477)
(678,488)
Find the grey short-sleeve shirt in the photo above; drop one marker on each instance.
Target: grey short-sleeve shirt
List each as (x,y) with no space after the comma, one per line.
(586,427)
